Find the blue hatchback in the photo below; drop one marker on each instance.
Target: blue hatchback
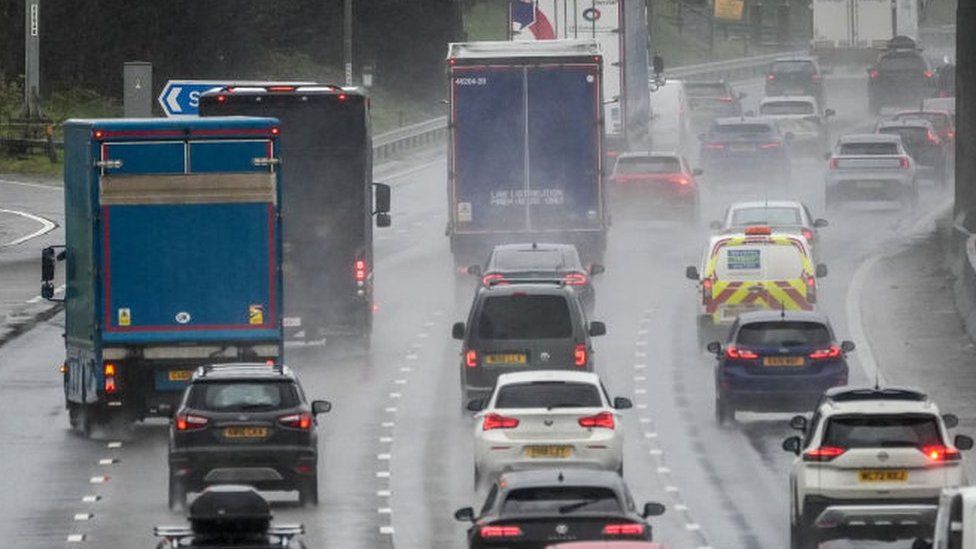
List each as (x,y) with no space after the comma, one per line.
(777,361)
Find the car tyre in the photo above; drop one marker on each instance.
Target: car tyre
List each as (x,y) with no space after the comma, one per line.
(177,493)
(308,492)
(724,411)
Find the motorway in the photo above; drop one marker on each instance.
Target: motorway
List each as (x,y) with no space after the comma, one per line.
(396,450)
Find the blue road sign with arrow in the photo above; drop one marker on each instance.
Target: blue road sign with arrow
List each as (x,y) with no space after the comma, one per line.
(182,97)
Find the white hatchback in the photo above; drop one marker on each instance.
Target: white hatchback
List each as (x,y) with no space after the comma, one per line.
(547,418)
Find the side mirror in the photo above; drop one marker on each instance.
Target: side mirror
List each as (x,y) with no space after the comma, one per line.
(653,509)
(597,328)
(798,423)
(691,272)
(697,171)
(792,444)
(963,442)
(715,225)
(464,514)
(457,331)
(950,420)
(821,270)
(47,291)
(714,347)
(47,264)
(830,112)
(596,269)
(321,407)
(381,197)
(820,223)
(847,346)
(383,220)
(621,403)
(476,405)
(474,270)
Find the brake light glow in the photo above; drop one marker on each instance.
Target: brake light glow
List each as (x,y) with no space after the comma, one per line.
(826,354)
(603,420)
(833,164)
(275,131)
(496,421)
(707,292)
(764,230)
(575,279)
(939,453)
(680,180)
(905,163)
(714,146)
(110,384)
(493,279)
(736,353)
(811,289)
(579,355)
(932,138)
(873,73)
(360,270)
(626,529)
(808,234)
(816,77)
(342,97)
(99,134)
(221,98)
(770,77)
(301,421)
(281,88)
(823,453)
(471,358)
(190,422)
(495,532)
(771,145)
(928,74)
(726,99)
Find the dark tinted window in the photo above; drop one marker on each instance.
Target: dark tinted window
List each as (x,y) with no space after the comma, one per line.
(523,316)
(527,260)
(794,67)
(564,499)
(882,431)
(910,136)
(742,129)
(235,396)
(651,164)
(705,90)
(783,334)
(938,120)
(548,394)
(786,107)
(905,62)
(868,148)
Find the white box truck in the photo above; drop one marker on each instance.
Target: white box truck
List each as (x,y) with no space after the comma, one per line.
(855,31)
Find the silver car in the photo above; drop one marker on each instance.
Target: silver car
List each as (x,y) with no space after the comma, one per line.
(802,116)
(870,167)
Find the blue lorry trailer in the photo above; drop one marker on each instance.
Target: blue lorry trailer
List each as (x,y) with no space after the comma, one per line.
(173,258)
(525,155)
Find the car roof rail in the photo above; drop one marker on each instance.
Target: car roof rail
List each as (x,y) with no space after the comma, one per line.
(872,393)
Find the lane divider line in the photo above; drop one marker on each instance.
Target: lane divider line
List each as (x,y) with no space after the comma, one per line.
(46,226)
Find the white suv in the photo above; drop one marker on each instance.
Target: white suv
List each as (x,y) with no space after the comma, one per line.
(547,418)
(871,465)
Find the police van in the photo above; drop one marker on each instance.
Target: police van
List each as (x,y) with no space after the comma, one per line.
(752,270)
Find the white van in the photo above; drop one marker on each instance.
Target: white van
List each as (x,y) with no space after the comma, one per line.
(955,524)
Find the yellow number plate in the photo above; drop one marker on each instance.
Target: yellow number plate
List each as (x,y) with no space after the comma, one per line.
(507,358)
(884,475)
(245,432)
(557,452)
(783,361)
(180,375)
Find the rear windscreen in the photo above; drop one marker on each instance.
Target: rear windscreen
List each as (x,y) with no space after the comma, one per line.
(742,129)
(531,260)
(902,63)
(759,262)
(783,334)
(564,499)
(658,164)
(909,135)
(786,107)
(765,216)
(548,394)
(882,431)
(705,90)
(938,120)
(793,67)
(239,396)
(522,316)
(868,148)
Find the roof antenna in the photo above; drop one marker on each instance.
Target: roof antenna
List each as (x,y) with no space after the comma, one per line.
(560,478)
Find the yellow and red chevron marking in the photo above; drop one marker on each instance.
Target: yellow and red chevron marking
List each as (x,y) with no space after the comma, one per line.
(766,294)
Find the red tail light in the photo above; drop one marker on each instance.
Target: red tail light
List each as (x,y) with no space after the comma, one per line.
(951,134)
(822,454)
(189,422)
(934,139)
(221,98)
(360,270)
(301,421)
(939,453)
(603,420)
(281,88)
(816,77)
(707,292)
(726,99)
(928,74)
(627,529)
(580,355)
(495,421)
(735,353)
(495,532)
(493,279)
(110,384)
(575,279)
(826,354)
(714,146)
(811,289)
(770,77)
(905,163)
(471,358)
(771,145)
(833,164)
(873,73)
(680,180)
(808,234)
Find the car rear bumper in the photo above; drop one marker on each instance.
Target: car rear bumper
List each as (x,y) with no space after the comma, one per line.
(494,458)
(870,186)
(871,519)
(778,392)
(271,467)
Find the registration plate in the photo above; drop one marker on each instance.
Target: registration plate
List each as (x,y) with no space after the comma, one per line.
(783,361)
(180,375)
(742,148)
(870,184)
(551,452)
(245,432)
(506,358)
(884,475)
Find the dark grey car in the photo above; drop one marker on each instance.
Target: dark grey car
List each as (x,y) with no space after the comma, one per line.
(514,328)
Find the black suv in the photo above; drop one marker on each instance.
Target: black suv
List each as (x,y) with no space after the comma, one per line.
(244,424)
(795,76)
(920,138)
(519,327)
(901,77)
(511,263)
(538,508)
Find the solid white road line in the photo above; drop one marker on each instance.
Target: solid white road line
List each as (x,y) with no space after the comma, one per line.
(46,226)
